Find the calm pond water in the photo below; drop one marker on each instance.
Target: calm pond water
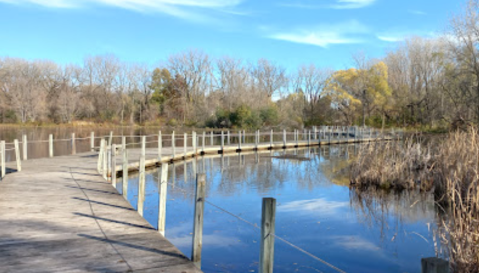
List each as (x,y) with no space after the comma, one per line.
(316,211)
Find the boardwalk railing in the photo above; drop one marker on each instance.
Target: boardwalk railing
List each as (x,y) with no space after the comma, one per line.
(180,146)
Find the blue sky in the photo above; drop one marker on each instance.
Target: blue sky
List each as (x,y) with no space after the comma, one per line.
(288,32)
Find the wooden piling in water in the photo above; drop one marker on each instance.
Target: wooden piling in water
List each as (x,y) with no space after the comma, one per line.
(142,177)
(2,159)
(162,188)
(268,215)
(25,147)
(434,265)
(50,145)
(198,220)
(17,155)
(74,146)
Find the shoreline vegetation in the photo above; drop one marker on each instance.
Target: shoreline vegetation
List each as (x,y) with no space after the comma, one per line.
(447,167)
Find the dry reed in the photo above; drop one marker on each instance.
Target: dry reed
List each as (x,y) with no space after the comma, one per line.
(451,170)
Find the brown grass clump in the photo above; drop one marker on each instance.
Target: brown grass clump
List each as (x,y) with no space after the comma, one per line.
(451,170)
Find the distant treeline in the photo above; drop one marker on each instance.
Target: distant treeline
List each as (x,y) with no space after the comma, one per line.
(422,82)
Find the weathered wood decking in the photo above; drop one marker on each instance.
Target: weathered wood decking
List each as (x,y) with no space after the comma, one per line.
(60,215)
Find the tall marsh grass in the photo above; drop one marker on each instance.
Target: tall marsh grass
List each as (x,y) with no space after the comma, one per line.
(449,167)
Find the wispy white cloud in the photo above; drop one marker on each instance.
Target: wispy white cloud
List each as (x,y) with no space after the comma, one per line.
(186,9)
(352,4)
(417,12)
(399,36)
(350,32)
(354,243)
(336,4)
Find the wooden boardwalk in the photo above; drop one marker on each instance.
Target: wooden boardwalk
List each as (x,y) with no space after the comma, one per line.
(60,215)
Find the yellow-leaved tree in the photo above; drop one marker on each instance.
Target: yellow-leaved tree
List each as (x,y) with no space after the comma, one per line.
(355,92)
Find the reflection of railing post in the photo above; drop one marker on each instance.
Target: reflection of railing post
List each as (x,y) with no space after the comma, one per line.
(198,220)
(162,187)
(113,165)
(74,146)
(2,158)
(268,214)
(142,178)
(25,147)
(50,145)
(17,156)
(434,265)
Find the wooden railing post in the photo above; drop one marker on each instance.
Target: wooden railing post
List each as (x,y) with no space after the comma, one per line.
(162,188)
(185,144)
(25,147)
(105,160)
(110,139)
(268,214)
(239,140)
(193,143)
(50,145)
(100,157)
(309,138)
(173,148)
(92,141)
(198,220)
(113,165)
(284,139)
(142,177)
(125,168)
(2,159)
(271,139)
(74,146)
(160,146)
(256,139)
(203,143)
(17,156)
(228,138)
(108,163)
(222,141)
(211,138)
